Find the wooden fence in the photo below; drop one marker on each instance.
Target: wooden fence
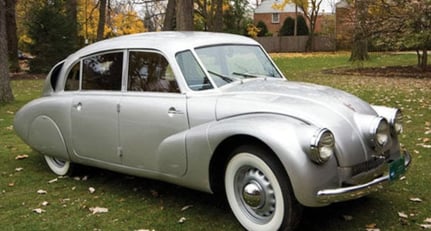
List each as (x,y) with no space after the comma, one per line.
(296,43)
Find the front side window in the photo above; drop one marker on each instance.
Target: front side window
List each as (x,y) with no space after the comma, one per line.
(150,71)
(102,72)
(192,72)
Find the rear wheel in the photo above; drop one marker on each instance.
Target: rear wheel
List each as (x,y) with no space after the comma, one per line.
(59,167)
(259,192)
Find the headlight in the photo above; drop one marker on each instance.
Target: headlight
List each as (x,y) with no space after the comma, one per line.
(322,146)
(394,117)
(397,122)
(380,133)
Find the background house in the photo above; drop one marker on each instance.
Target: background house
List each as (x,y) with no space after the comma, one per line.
(274,18)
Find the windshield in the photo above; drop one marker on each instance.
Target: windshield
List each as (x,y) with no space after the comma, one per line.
(228,63)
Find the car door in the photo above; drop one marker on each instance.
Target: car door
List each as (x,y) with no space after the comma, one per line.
(153,117)
(94,109)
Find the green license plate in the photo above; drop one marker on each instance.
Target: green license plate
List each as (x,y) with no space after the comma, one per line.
(396,169)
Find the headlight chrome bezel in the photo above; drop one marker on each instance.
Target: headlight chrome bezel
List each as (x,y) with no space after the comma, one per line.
(394,116)
(322,146)
(380,134)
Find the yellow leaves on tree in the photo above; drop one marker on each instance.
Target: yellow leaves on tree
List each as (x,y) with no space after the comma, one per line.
(119,20)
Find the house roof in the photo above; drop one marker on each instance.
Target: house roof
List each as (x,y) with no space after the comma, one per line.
(342,4)
(267,7)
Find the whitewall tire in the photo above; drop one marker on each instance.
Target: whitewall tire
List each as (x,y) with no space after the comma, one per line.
(59,167)
(258,191)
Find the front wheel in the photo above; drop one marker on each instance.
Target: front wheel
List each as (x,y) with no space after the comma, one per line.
(259,192)
(59,167)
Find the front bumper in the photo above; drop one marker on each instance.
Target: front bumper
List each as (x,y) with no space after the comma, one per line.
(329,196)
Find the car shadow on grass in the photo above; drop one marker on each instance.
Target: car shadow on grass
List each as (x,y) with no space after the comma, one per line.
(212,209)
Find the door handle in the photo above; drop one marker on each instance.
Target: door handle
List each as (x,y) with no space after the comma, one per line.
(78,106)
(173,111)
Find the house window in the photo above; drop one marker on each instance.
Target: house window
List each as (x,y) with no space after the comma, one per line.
(275,18)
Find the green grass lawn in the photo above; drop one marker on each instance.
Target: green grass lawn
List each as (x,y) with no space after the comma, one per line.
(136,203)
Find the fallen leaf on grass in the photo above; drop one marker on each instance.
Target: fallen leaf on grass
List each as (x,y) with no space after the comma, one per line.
(41,191)
(21,157)
(19,169)
(91,190)
(403,215)
(39,210)
(425,226)
(11,184)
(372,227)
(347,217)
(182,220)
(416,199)
(45,203)
(428,220)
(186,207)
(95,210)
(53,181)
(9,128)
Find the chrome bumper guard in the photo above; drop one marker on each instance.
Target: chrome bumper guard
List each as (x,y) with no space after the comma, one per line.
(348,193)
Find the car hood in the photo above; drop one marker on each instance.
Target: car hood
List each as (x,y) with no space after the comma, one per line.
(313,104)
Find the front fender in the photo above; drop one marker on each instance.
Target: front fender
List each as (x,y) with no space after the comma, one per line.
(289,139)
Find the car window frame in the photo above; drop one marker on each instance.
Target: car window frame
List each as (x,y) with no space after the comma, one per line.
(147,50)
(81,63)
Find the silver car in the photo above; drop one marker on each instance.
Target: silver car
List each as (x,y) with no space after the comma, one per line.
(212,112)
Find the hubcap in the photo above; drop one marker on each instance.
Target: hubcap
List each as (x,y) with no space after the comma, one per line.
(255,193)
(59,163)
(252,194)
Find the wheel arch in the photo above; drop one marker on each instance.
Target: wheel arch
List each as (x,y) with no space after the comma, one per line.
(45,136)
(221,156)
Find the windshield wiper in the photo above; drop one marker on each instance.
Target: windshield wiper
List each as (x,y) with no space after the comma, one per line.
(226,78)
(246,75)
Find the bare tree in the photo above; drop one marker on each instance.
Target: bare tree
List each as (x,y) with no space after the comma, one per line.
(6,94)
(311,10)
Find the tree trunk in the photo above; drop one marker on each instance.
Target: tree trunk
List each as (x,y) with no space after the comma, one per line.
(72,6)
(6,94)
(424,60)
(12,38)
(102,18)
(360,44)
(184,15)
(169,23)
(218,17)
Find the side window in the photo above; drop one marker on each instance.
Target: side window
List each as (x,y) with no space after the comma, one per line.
(192,72)
(72,80)
(150,71)
(102,72)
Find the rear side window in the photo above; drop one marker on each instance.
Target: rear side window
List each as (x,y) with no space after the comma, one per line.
(102,72)
(54,75)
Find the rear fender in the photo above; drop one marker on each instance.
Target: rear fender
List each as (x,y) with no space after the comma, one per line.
(45,136)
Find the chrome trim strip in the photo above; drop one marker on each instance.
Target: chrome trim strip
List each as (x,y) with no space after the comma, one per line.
(348,193)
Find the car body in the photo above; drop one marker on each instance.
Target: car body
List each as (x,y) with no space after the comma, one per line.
(212,112)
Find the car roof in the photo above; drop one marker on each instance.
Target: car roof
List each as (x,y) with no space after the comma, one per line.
(168,42)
